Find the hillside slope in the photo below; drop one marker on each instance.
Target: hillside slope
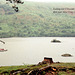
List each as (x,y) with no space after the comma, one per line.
(36,20)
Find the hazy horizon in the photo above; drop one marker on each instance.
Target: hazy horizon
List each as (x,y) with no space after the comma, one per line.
(51,0)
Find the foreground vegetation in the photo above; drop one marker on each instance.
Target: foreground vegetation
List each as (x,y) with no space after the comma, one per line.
(14,68)
(36,20)
(63,69)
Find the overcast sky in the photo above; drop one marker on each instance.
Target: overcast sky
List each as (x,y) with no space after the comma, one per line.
(52,0)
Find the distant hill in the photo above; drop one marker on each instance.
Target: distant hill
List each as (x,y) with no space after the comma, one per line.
(36,20)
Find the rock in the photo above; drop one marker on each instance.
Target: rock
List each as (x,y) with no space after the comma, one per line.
(55,41)
(66,55)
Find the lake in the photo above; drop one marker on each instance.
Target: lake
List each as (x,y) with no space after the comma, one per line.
(32,50)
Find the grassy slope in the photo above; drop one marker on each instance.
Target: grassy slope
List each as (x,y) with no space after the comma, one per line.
(30,67)
(36,19)
(10,68)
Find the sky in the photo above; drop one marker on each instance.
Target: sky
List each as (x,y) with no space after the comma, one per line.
(51,0)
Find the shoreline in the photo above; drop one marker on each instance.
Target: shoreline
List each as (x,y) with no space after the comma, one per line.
(56,68)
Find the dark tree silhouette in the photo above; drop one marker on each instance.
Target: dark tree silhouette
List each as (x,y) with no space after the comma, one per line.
(17,2)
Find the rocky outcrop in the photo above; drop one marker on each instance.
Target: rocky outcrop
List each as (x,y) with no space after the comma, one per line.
(66,55)
(46,60)
(55,41)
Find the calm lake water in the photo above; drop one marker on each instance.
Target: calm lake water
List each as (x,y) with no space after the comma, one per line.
(33,50)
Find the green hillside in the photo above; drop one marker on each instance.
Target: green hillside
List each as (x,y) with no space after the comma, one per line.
(36,20)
